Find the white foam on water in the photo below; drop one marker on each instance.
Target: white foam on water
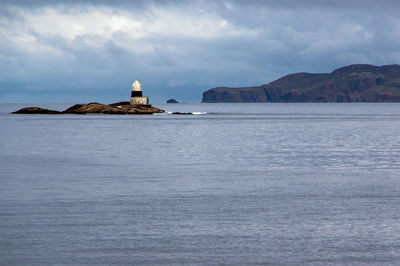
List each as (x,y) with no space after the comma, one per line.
(199,113)
(193,113)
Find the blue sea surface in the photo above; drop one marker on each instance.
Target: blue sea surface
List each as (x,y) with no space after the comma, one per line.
(239,184)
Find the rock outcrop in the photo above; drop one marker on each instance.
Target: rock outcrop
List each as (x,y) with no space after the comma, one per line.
(354,83)
(36,110)
(172,101)
(120,108)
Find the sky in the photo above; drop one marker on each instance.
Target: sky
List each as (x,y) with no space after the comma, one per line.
(84,51)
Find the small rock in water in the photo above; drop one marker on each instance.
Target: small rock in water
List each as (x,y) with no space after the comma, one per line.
(180,113)
(35,110)
(172,101)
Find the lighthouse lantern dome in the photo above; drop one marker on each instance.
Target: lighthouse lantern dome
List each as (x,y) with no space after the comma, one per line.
(136,86)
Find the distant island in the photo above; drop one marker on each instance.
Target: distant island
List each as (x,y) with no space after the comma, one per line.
(119,108)
(353,83)
(172,101)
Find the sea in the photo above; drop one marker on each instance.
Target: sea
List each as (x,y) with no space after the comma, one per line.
(231,184)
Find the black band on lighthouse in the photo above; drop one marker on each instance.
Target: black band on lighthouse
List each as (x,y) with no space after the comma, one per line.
(136,94)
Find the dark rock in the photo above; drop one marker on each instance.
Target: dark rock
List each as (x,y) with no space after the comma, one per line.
(172,101)
(180,113)
(35,110)
(120,103)
(354,83)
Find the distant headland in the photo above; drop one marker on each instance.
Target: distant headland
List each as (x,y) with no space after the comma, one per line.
(138,105)
(353,83)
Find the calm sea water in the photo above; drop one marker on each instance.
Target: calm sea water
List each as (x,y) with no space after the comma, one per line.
(243,184)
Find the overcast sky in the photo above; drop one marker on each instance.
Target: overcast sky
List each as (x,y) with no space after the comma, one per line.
(78,51)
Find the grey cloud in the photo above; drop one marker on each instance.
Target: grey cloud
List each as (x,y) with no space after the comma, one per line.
(262,40)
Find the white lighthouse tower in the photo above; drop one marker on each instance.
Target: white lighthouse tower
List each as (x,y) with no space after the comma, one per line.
(137,95)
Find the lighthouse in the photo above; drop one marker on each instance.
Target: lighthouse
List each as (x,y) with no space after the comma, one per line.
(137,97)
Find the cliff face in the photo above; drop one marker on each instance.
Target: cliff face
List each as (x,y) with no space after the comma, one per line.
(354,83)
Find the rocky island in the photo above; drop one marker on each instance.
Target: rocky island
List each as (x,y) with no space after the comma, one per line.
(354,83)
(119,108)
(138,105)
